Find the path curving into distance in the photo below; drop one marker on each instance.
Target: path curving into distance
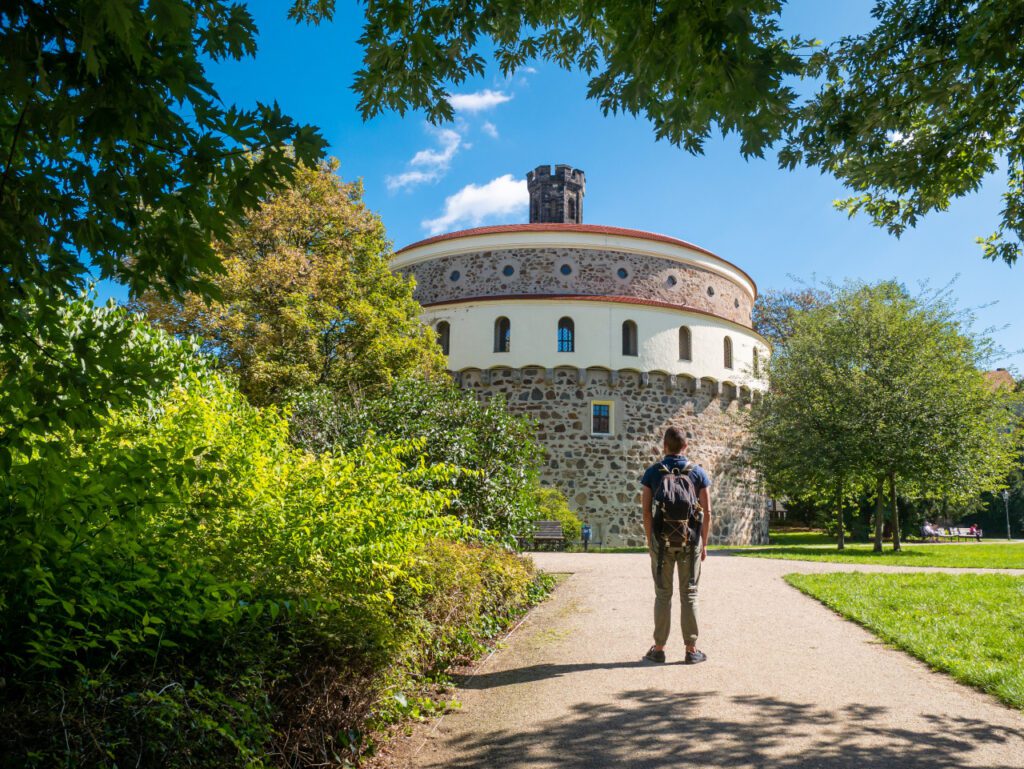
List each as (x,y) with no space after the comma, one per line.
(788,685)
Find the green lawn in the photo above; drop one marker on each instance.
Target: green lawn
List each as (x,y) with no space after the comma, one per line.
(963,555)
(785,537)
(968,625)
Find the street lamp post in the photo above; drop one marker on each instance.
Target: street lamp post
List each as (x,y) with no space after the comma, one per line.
(1006,506)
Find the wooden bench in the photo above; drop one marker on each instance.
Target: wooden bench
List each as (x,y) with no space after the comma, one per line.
(544,531)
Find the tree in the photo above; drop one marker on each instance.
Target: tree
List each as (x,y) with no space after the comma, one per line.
(775,311)
(918,111)
(307,299)
(117,158)
(116,150)
(879,389)
(497,451)
(909,115)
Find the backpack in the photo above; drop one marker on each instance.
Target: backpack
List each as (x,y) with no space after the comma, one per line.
(678,516)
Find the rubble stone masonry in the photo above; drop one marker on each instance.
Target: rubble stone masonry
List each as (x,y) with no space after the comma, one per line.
(591,272)
(600,474)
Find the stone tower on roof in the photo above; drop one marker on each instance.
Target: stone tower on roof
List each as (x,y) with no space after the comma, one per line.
(556,197)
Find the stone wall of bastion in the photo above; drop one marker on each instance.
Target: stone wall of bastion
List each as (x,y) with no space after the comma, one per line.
(599,474)
(593,272)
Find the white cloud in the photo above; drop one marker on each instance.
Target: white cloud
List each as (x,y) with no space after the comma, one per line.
(490,129)
(528,70)
(439,158)
(430,164)
(478,101)
(471,205)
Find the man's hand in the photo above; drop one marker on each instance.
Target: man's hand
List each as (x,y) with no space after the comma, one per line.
(703,552)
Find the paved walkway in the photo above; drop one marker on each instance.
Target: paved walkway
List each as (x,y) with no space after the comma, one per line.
(788,685)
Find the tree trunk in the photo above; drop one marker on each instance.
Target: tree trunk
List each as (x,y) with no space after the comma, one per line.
(895,513)
(879,512)
(839,513)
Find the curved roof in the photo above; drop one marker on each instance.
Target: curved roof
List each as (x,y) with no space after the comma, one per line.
(595,229)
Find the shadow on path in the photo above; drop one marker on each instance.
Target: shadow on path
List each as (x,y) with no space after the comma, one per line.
(542,672)
(654,729)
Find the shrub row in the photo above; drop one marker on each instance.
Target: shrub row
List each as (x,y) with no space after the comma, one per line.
(183,586)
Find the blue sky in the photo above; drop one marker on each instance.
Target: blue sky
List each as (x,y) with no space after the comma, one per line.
(773,223)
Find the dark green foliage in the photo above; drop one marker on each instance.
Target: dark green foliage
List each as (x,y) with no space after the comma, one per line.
(115,147)
(910,115)
(919,110)
(498,449)
(686,69)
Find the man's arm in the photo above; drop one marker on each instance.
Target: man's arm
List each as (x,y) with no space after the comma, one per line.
(705,503)
(645,500)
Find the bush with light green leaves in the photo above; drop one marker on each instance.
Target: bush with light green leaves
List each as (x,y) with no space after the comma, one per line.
(180,585)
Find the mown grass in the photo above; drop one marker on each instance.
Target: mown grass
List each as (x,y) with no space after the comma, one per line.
(968,625)
(800,538)
(963,555)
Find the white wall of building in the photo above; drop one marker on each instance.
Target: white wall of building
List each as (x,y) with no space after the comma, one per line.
(598,338)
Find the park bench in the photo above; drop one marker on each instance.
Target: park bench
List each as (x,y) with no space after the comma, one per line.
(956,533)
(959,533)
(543,532)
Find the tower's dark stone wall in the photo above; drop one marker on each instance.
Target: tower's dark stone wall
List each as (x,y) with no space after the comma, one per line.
(556,197)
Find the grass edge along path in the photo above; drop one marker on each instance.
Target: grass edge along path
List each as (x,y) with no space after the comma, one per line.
(966,555)
(970,626)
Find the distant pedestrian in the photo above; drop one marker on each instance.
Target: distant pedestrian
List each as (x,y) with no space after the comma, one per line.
(677,521)
(586,534)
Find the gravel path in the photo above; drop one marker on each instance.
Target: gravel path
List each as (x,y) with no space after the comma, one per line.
(788,685)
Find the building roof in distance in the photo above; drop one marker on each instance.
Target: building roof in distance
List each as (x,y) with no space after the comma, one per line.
(1000,378)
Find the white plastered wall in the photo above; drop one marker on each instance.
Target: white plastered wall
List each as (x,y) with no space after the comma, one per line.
(598,338)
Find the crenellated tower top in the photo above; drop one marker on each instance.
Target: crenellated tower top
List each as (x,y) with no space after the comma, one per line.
(556,197)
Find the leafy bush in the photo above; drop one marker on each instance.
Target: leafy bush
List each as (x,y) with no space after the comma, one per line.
(497,449)
(552,506)
(181,585)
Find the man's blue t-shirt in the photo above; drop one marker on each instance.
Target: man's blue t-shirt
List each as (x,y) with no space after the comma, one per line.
(652,476)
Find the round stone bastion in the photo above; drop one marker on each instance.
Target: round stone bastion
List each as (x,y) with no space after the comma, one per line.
(605,337)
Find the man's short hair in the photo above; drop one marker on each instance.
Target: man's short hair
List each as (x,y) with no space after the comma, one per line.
(675,440)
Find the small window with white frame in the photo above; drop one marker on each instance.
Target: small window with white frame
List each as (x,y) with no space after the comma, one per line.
(602,417)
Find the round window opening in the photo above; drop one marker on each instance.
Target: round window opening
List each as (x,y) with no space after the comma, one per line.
(672,280)
(711,291)
(508,271)
(455,275)
(623,273)
(566,269)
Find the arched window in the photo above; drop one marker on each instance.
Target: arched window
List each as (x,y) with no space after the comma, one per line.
(566,335)
(685,349)
(572,209)
(728,352)
(757,363)
(629,346)
(443,335)
(502,335)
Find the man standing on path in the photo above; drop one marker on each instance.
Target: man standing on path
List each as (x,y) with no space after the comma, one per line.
(686,559)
